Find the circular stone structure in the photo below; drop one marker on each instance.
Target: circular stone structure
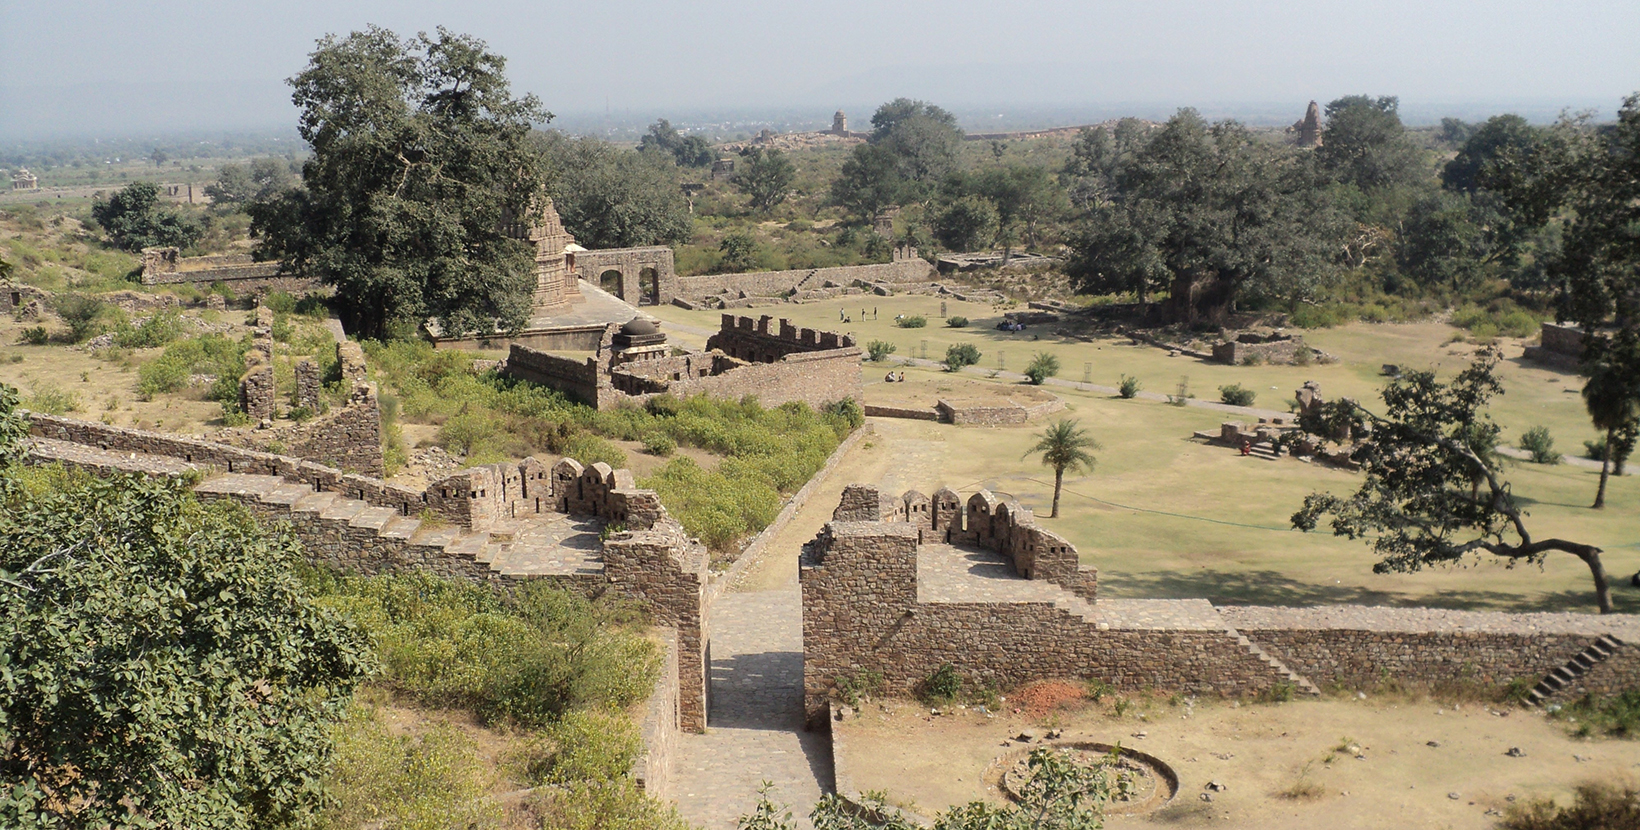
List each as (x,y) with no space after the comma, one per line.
(1144,782)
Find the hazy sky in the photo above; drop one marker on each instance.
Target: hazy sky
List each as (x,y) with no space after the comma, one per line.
(77,65)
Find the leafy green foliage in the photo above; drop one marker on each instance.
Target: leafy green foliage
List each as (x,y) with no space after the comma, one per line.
(210,354)
(134,219)
(261,180)
(911,321)
(527,660)
(765,176)
(1365,145)
(967,223)
(879,350)
(1043,366)
(163,664)
(1129,387)
(422,171)
(660,444)
(739,252)
(1540,444)
(614,198)
(36,336)
(52,400)
(1064,445)
(686,151)
(1433,493)
(426,780)
(1237,395)
(958,355)
(80,312)
(957,322)
(160,328)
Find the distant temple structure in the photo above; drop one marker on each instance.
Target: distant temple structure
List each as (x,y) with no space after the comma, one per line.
(1306,131)
(24,180)
(839,124)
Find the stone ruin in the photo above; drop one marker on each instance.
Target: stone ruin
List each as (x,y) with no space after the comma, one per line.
(1274,437)
(24,180)
(348,437)
(774,363)
(240,272)
(1271,347)
(1306,131)
(1560,345)
(897,587)
(23,302)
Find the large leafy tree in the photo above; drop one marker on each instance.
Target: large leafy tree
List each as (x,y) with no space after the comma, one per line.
(162,665)
(869,181)
(1364,144)
(421,183)
(614,198)
(765,176)
(262,179)
(687,151)
(1433,493)
(1217,213)
(134,218)
(1026,197)
(911,150)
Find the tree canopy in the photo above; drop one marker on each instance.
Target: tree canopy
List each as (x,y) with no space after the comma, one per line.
(686,151)
(1365,145)
(163,664)
(1433,491)
(135,219)
(765,176)
(421,182)
(260,180)
(614,198)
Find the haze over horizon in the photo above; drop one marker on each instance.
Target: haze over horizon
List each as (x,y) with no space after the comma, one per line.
(80,67)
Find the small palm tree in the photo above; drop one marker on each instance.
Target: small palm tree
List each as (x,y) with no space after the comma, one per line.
(1064,446)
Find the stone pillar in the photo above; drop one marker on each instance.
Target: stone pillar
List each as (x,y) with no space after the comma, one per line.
(256,388)
(307,385)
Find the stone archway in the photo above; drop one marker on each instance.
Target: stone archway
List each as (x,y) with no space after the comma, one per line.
(612,281)
(649,287)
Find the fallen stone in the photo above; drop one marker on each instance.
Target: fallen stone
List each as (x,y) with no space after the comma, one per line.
(1436,744)
(1216,786)
(1515,752)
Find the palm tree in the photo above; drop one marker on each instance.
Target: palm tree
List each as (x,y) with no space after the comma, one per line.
(1613,404)
(1064,446)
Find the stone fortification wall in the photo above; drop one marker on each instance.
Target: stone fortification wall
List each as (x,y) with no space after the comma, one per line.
(636,287)
(167,266)
(780,283)
(578,379)
(861,612)
(1356,646)
(348,438)
(815,378)
(912,413)
(1272,350)
(1560,345)
(659,728)
(765,341)
(666,573)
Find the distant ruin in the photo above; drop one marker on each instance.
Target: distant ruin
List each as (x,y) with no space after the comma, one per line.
(774,363)
(238,272)
(24,180)
(1560,345)
(1306,131)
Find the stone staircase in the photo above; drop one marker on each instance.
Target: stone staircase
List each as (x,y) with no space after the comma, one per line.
(1266,450)
(1299,681)
(1581,663)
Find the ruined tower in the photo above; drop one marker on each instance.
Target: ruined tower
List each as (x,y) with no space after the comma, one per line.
(839,124)
(1307,130)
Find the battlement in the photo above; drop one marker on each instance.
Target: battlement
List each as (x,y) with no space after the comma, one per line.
(780,334)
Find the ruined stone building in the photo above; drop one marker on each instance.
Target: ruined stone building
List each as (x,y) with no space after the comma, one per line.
(773,362)
(1306,131)
(24,180)
(839,124)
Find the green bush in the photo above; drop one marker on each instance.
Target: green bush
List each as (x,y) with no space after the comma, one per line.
(51,400)
(956,322)
(1237,395)
(1540,444)
(1597,806)
(1043,366)
(659,444)
(527,659)
(36,336)
(879,350)
(959,355)
(1129,387)
(210,354)
(428,780)
(80,312)
(160,329)
(589,746)
(943,684)
(914,321)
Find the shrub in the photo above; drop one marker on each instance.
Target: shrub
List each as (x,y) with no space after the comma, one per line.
(914,321)
(1540,444)
(211,354)
(659,444)
(1129,387)
(50,400)
(956,322)
(848,412)
(942,685)
(36,336)
(1043,366)
(430,779)
(1237,395)
(959,355)
(589,746)
(879,350)
(79,313)
(158,330)
(1597,806)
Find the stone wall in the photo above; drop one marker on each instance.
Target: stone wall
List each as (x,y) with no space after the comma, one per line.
(659,728)
(1237,352)
(576,378)
(861,612)
(780,283)
(1560,345)
(666,573)
(256,392)
(348,438)
(912,413)
(637,288)
(765,341)
(1364,647)
(986,415)
(560,339)
(167,266)
(308,386)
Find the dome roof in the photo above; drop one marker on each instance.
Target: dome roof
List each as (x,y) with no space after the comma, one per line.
(639,326)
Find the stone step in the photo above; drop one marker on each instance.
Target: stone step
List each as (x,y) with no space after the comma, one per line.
(287,495)
(401,527)
(1581,663)
(437,537)
(343,509)
(314,503)
(468,544)
(374,518)
(239,484)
